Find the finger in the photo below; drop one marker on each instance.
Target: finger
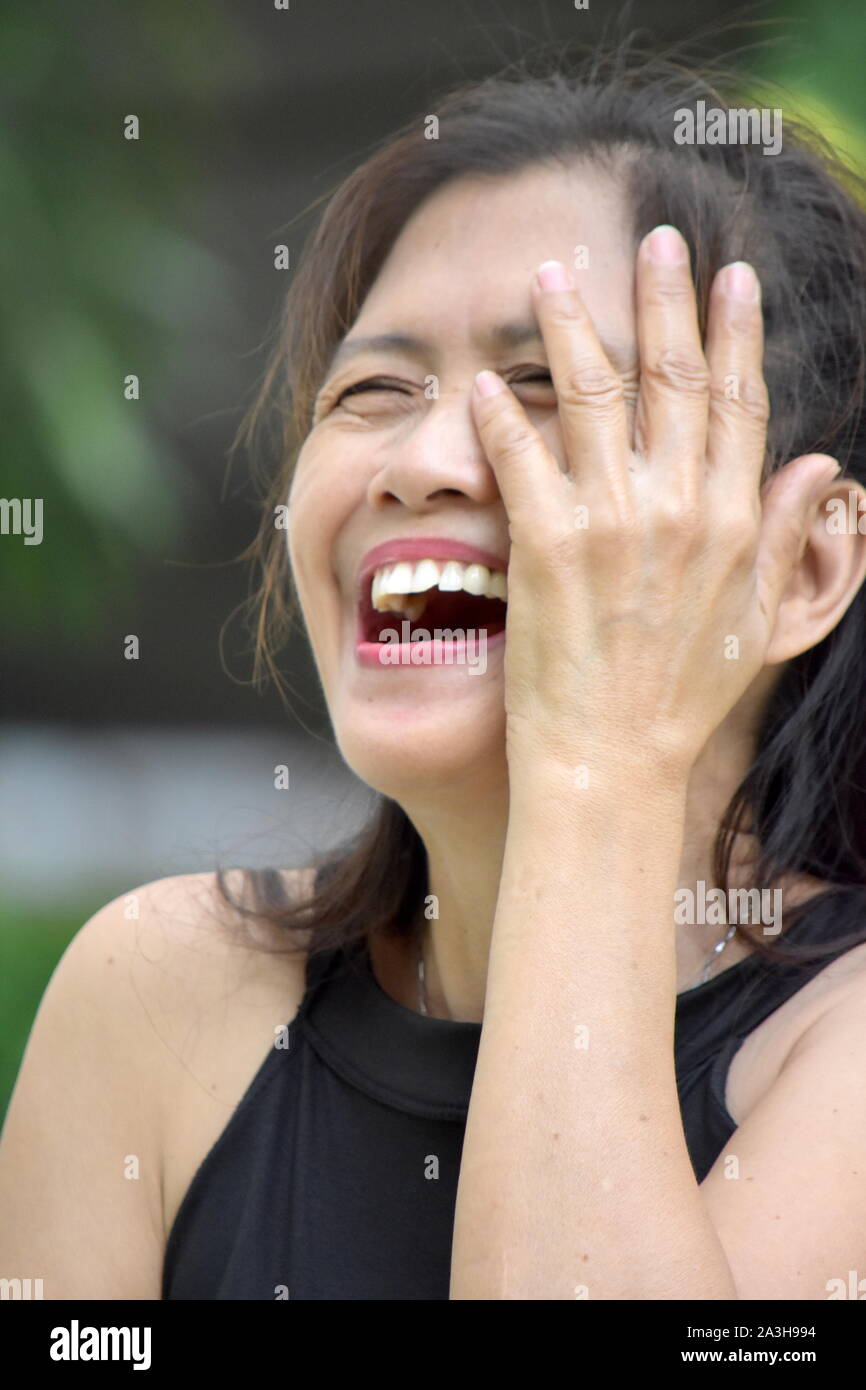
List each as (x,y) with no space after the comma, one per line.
(788,504)
(590,394)
(739,399)
(673,405)
(525,468)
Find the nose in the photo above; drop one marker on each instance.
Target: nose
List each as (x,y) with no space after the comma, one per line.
(438,456)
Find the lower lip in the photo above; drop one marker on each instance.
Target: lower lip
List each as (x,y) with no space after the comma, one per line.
(437,654)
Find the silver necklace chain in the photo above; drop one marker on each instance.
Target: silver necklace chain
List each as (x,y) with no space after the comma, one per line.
(705,973)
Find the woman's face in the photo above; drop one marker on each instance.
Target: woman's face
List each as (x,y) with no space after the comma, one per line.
(396,472)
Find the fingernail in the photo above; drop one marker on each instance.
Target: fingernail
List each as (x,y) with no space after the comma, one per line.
(552,275)
(824,479)
(666,246)
(489,384)
(739,281)
(831,472)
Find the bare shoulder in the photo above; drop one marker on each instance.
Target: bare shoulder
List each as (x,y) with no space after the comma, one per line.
(219,985)
(793,1226)
(190,946)
(821,1008)
(830,1000)
(165,957)
(166,990)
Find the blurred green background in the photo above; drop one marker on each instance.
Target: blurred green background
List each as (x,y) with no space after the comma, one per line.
(154,257)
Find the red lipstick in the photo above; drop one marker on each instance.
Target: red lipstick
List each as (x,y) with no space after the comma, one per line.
(479,615)
(424,548)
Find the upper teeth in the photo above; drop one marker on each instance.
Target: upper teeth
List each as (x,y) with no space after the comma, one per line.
(393,584)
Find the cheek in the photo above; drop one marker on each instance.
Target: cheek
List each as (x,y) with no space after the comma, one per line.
(309,531)
(296,526)
(316,506)
(325,492)
(330,479)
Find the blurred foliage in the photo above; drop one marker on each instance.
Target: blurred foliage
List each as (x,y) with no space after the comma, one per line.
(821,66)
(101,280)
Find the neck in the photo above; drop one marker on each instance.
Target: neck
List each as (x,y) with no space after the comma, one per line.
(464,853)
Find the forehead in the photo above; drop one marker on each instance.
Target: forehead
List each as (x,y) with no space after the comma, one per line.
(463,261)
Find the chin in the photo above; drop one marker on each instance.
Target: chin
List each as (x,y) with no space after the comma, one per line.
(408,754)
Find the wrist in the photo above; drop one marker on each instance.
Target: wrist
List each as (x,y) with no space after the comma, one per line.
(620,814)
(626,774)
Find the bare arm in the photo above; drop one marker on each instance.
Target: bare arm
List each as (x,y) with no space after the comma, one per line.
(80,1201)
(575,1180)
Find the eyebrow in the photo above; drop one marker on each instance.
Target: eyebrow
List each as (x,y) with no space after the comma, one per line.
(515,334)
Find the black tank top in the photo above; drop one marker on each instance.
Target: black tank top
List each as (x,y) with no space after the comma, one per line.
(336,1177)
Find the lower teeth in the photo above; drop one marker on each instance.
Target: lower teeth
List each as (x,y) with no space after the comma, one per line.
(411,606)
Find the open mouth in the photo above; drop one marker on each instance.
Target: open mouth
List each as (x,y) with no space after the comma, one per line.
(434,597)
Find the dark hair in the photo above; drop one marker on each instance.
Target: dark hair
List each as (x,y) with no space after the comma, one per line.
(798,217)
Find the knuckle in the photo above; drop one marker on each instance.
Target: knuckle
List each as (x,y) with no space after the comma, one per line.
(589,383)
(680,518)
(508,436)
(755,401)
(742,397)
(737,536)
(518,439)
(516,444)
(564,310)
(680,369)
(615,519)
(670,289)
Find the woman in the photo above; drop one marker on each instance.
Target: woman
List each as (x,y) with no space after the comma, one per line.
(530,362)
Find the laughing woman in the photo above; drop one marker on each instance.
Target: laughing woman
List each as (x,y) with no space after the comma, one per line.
(565,394)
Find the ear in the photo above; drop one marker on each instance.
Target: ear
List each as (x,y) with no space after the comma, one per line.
(828,574)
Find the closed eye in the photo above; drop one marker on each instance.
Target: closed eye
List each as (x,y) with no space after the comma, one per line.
(522,374)
(373,383)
